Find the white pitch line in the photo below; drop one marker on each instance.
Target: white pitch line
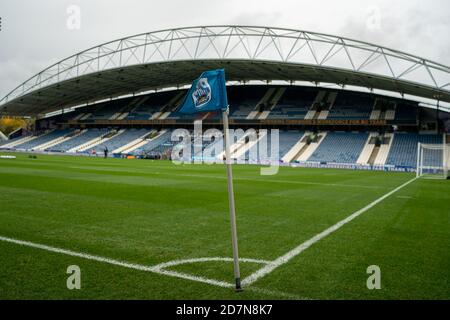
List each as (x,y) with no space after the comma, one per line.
(186,276)
(207,259)
(75,254)
(158,269)
(276,293)
(305,245)
(155,269)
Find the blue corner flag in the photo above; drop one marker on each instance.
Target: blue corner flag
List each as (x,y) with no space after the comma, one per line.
(208,93)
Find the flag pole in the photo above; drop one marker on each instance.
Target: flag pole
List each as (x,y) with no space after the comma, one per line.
(237,273)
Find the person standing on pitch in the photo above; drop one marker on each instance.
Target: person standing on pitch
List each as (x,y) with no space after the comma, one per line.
(106,152)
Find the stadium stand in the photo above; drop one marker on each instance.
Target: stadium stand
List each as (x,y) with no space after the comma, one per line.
(262,103)
(137,143)
(150,106)
(142,112)
(42,139)
(107,110)
(85,137)
(89,146)
(271,103)
(404,148)
(257,102)
(383,109)
(119,140)
(296,150)
(12,142)
(200,143)
(287,139)
(244,147)
(384,149)
(376,149)
(209,150)
(164,137)
(350,105)
(248,104)
(340,147)
(54,142)
(322,104)
(163,149)
(405,113)
(241,107)
(294,104)
(311,141)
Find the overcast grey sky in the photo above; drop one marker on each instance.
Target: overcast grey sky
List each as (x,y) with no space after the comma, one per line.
(34,34)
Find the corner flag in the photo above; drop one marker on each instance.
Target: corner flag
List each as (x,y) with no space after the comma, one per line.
(208,93)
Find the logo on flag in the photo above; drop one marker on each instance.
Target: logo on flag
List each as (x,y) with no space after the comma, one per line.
(202,93)
(207,93)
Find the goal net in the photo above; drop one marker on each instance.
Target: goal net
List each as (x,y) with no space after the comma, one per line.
(433,160)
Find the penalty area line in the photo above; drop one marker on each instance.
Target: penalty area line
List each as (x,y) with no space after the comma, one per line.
(268,268)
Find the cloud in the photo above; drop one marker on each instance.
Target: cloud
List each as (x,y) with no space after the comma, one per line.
(35,34)
(415,29)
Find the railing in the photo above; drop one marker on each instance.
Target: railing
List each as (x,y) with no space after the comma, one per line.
(244,43)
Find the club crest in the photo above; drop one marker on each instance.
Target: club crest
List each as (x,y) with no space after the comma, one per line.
(202,93)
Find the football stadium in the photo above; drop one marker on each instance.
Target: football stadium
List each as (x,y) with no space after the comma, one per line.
(340,160)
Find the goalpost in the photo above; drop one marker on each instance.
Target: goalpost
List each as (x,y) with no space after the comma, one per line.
(433,160)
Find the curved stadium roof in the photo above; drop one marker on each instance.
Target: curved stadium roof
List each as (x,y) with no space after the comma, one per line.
(175,57)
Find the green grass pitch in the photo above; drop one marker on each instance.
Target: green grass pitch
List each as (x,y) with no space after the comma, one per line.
(150,212)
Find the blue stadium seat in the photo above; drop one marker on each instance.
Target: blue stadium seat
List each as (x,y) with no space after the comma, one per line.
(44,139)
(10,140)
(294,104)
(287,139)
(404,148)
(340,147)
(78,140)
(120,140)
(152,105)
(351,106)
(106,110)
(164,139)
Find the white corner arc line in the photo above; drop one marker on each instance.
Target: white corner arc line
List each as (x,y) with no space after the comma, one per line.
(210,259)
(158,269)
(268,268)
(276,293)
(186,276)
